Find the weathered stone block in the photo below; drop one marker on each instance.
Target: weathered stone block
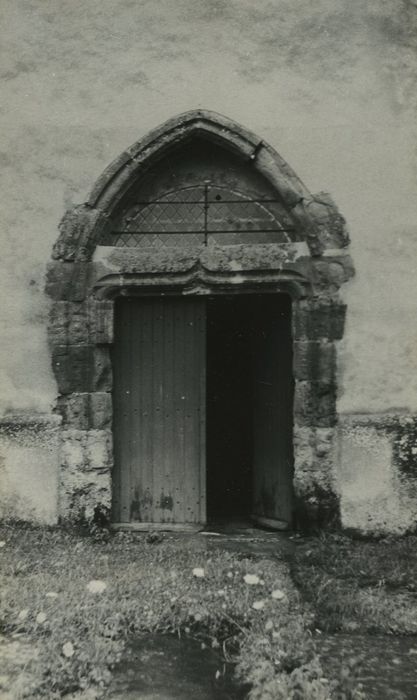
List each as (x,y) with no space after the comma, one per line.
(102,377)
(315,451)
(243,258)
(85,477)
(330,273)
(101,321)
(98,450)
(80,493)
(82,368)
(58,323)
(315,403)
(84,411)
(79,229)
(74,409)
(73,367)
(100,410)
(315,487)
(304,443)
(315,480)
(86,450)
(69,323)
(314,320)
(78,324)
(332,225)
(67,281)
(326,447)
(314,360)
(73,449)
(316,508)
(306,483)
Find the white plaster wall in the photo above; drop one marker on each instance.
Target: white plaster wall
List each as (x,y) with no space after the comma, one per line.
(28,478)
(329,84)
(373,496)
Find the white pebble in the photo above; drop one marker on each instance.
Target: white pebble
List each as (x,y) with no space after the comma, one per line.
(96,586)
(68,649)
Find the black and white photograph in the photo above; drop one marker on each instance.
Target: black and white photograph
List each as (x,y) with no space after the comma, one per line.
(208,350)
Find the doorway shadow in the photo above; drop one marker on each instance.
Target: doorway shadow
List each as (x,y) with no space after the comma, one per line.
(236,327)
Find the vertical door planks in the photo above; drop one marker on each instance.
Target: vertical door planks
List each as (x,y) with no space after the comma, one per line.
(159,411)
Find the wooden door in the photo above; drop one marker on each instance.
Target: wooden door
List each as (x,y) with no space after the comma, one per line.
(159,411)
(272,417)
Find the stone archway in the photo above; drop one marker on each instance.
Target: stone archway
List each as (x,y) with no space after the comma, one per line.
(85,276)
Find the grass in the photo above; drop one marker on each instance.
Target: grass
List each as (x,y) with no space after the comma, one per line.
(357,585)
(76,636)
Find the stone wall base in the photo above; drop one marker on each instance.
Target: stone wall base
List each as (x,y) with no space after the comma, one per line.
(360,475)
(315,478)
(85,474)
(29,459)
(377,473)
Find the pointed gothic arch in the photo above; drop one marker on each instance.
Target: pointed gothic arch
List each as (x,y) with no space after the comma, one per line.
(90,270)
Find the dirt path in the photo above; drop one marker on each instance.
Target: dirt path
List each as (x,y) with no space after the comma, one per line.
(168,668)
(387,668)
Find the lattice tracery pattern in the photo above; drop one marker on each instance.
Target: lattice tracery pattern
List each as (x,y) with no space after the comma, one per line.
(199,214)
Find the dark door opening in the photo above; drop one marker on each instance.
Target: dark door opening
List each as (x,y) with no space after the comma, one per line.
(229,408)
(249,409)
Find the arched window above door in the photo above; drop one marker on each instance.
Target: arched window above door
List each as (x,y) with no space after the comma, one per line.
(201,214)
(199,193)
(145,198)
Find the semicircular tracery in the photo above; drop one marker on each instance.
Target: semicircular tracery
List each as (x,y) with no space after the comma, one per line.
(199,215)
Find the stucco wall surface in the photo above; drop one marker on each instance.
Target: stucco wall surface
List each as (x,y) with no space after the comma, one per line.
(331,85)
(377,480)
(29,453)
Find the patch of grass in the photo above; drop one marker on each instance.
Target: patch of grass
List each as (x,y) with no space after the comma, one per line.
(359,585)
(77,635)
